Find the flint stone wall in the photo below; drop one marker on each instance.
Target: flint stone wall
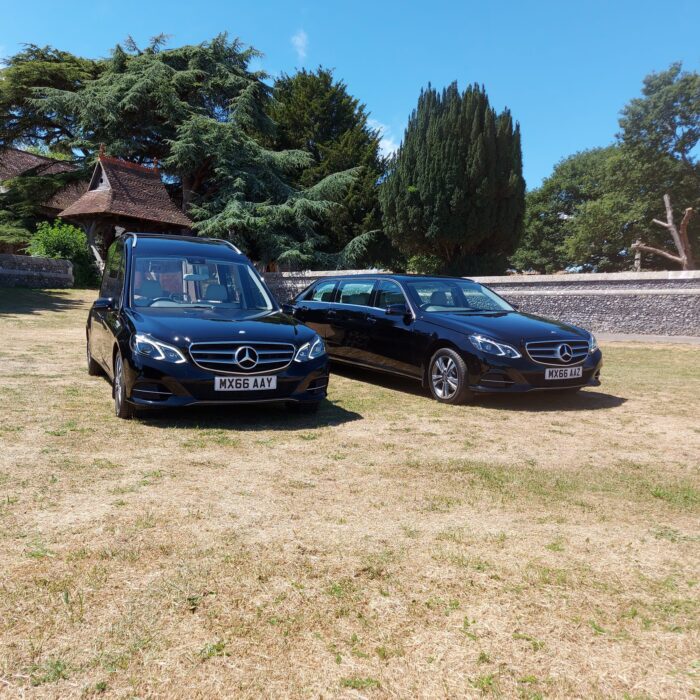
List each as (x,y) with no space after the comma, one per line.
(28,271)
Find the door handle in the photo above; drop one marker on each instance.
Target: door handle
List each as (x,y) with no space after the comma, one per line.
(331,313)
(371,319)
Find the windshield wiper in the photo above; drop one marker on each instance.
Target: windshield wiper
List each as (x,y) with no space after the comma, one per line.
(482,311)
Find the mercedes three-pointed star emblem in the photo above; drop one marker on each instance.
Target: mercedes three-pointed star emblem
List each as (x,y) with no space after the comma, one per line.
(565,352)
(246,357)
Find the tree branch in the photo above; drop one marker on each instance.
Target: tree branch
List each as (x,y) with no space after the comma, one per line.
(657,251)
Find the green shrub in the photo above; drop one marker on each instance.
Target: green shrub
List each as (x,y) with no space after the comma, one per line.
(61,240)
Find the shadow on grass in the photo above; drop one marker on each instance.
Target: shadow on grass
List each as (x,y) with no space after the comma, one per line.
(252,417)
(18,300)
(585,400)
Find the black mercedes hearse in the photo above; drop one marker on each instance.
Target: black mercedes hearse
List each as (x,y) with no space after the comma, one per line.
(183,321)
(454,335)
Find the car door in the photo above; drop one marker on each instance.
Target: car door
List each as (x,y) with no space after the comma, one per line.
(104,320)
(348,337)
(314,307)
(391,343)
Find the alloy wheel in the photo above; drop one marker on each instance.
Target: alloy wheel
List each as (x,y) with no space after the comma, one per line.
(445,377)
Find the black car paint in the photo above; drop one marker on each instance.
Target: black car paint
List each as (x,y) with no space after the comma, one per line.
(403,343)
(112,322)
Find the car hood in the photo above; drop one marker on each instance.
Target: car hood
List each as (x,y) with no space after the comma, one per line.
(201,325)
(510,327)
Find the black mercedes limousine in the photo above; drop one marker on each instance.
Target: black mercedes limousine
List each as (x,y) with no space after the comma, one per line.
(181,321)
(456,336)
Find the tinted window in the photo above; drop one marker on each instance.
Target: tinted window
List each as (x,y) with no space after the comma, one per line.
(113,276)
(388,293)
(357,293)
(322,291)
(180,282)
(454,295)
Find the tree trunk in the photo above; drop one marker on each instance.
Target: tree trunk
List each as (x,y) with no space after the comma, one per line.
(684,258)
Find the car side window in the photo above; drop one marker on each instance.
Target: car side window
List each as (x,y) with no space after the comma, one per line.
(322,292)
(357,293)
(388,293)
(113,276)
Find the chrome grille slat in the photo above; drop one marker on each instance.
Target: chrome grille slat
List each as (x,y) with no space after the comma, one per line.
(219,356)
(546,352)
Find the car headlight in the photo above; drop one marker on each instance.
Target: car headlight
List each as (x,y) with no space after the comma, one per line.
(156,349)
(491,347)
(592,344)
(311,350)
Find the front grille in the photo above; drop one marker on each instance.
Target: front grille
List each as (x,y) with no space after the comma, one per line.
(221,357)
(547,352)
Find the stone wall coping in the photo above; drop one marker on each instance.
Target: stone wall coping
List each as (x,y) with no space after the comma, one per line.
(583,277)
(692,291)
(566,278)
(9,261)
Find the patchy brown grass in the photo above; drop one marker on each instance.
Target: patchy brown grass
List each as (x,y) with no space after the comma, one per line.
(539,546)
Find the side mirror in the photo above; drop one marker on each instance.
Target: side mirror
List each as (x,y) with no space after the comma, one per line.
(103,303)
(288,308)
(515,306)
(396,310)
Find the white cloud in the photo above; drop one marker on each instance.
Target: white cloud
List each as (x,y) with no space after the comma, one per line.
(387,141)
(300,42)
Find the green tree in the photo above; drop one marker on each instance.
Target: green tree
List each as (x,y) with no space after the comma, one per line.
(34,68)
(455,189)
(204,115)
(61,240)
(21,204)
(597,203)
(316,113)
(665,121)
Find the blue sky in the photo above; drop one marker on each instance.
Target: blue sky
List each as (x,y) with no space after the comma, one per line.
(565,69)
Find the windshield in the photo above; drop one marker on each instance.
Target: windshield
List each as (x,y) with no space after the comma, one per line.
(454,295)
(178,282)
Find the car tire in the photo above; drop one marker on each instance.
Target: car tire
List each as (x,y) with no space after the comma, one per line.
(122,408)
(303,408)
(448,377)
(93,368)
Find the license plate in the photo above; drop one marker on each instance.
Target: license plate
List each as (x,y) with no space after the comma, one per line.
(245,383)
(563,373)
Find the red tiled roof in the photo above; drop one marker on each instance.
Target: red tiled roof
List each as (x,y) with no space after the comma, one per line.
(129,190)
(65,196)
(14,162)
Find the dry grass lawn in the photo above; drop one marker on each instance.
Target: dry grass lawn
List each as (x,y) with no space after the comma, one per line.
(538,546)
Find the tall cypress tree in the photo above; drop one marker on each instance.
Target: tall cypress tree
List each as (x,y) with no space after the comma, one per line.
(455,193)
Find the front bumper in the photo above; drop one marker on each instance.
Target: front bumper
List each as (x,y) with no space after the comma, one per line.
(489,374)
(153,384)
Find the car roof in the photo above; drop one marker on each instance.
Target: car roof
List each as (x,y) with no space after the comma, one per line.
(400,277)
(173,244)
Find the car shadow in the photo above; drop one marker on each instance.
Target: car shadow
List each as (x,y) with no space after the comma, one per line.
(19,300)
(252,417)
(533,401)
(536,401)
